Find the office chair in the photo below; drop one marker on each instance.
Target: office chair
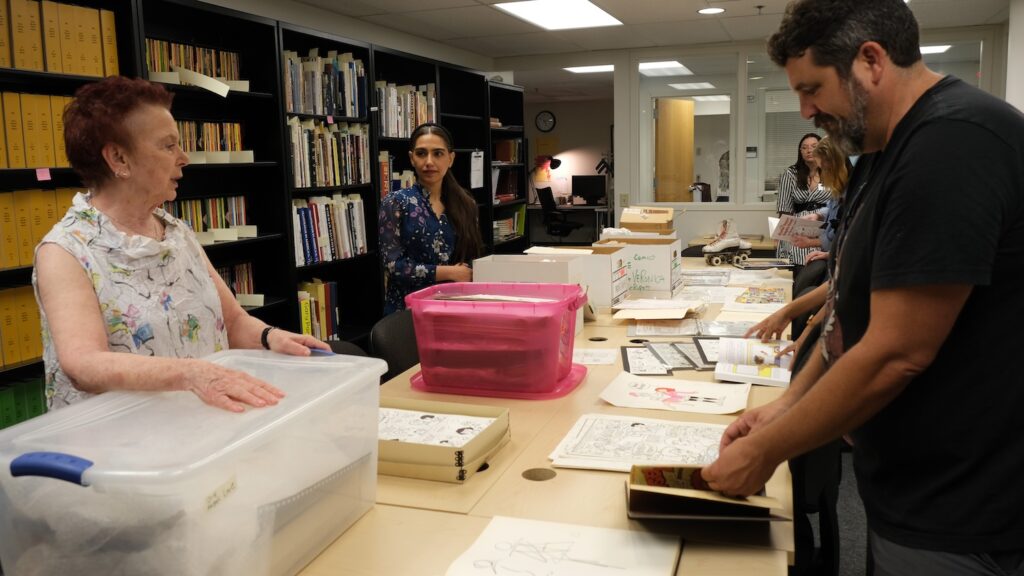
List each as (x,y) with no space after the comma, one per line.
(346,347)
(393,339)
(556,223)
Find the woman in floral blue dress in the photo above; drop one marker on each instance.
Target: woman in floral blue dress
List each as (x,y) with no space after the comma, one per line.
(430,231)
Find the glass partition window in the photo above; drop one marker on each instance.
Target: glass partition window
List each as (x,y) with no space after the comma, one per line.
(686,125)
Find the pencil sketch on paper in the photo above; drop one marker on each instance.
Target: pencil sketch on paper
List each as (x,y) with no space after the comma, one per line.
(430,428)
(520,547)
(607,442)
(631,391)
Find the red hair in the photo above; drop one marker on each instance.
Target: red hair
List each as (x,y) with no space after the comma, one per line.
(95,118)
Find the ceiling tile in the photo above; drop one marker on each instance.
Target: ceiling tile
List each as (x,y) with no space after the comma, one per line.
(751,27)
(691,32)
(609,37)
(515,44)
(473,21)
(412,23)
(355,8)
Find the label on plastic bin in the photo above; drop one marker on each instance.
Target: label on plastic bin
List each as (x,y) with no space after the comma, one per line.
(220,493)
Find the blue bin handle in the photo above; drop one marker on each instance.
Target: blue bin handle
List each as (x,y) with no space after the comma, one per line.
(51,465)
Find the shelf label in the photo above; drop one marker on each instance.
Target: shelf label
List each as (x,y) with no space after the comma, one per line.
(330,119)
(43,174)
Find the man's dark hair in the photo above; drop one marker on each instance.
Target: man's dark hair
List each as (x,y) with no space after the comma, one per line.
(836,29)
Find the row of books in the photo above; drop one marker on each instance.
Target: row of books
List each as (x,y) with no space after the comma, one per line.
(33,134)
(210,136)
(329,154)
(510,227)
(25,217)
(318,309)
(56,37)
(20,329)
(21,400)
(508,151)
(504,186)
(238,277)
(390,180)
(328,229)
(204,214)
(162,55)
(403,108)
(331,86)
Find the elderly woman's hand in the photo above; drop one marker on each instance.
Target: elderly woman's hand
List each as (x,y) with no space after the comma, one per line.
(285,342)
(228,389)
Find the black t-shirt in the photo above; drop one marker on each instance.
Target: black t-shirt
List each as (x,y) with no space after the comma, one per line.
(941,467)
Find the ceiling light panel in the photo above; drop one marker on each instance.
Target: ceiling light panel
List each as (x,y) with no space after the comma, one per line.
(559,14)
(693,86)
(591,69)
(669,68)
(935,49)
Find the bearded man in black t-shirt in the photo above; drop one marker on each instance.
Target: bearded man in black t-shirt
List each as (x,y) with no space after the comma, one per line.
(919,356)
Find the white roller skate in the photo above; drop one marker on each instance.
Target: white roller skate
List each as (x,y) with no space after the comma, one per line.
(727,247)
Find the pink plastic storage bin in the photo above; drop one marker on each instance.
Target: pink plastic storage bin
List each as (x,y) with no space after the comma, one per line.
(506,349)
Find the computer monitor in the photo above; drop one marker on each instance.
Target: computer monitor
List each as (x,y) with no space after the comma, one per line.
(593,189)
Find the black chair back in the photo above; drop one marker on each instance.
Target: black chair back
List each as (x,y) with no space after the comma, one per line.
(393,339)
(547,202)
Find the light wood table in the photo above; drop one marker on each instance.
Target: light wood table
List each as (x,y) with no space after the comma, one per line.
(421,527)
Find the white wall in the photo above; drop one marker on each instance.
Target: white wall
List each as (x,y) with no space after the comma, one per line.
(583,131)
(1015,47)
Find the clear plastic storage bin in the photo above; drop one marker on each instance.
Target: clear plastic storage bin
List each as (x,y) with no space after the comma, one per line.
(160,483)
(507,349)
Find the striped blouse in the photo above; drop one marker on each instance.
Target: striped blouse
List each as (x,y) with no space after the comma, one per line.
(794,198)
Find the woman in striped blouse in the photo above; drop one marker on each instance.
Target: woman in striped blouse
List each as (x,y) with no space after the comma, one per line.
(801,193)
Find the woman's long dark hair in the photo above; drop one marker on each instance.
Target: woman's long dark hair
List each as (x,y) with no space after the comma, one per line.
(803,171)
(458,203)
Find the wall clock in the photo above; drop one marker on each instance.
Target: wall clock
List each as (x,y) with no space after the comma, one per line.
(545,121)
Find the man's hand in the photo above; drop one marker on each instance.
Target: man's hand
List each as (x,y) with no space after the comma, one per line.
(751,420)
(742,469)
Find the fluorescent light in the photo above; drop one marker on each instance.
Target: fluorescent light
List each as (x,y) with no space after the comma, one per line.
(559,14)
(692,86)
(591,69)
(712,98)
(709,11)
(668,68)
(935,49)
(756,78)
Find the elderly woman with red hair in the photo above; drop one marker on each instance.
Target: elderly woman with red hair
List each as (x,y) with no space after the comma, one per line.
(128,299)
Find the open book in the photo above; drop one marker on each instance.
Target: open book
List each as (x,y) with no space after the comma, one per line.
(679,492)
(754,361)
(787,226)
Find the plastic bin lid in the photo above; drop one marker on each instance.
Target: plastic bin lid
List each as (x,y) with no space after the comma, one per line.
(153,437)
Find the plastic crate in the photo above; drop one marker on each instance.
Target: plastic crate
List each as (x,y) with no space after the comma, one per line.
(505,349)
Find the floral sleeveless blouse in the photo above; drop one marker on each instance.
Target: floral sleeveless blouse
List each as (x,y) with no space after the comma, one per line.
(156,297)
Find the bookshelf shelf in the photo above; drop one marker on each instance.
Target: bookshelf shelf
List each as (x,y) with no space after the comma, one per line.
(11,277)
(268,304)
(241,242)
(507,164)
(328,189)
(449,116)
(507,149)
(312,268)
(507,130)
(507,241)
(516,202)
(231,165)
(323,117)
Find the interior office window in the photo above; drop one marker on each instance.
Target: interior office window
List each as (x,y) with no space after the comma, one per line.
(774,127)
(686,127)
(961,59)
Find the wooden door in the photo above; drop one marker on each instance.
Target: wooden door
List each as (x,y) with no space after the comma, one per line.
(673,144)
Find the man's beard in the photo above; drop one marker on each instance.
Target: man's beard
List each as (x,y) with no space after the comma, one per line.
(848,133)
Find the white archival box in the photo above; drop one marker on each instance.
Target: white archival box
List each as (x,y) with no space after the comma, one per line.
(534,268)
(655,264)
(605,272)
(161,483)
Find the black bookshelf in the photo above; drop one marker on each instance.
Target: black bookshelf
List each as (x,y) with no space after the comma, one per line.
(505,106)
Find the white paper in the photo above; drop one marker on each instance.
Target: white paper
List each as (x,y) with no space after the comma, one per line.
(642,361)
(705,277)
(476,169)
(711,294)
(684,327)
(554,250)
(629,391)
(608,442)
(202,80)
(655,304)
(594,355)
(417,427)
(789,226)
(750,277)
(521,547)
(709,348)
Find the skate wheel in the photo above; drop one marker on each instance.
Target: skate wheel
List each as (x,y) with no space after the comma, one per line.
(743,257)
(715,260)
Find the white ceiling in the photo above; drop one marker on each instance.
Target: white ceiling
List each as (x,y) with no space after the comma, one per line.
(477,26)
